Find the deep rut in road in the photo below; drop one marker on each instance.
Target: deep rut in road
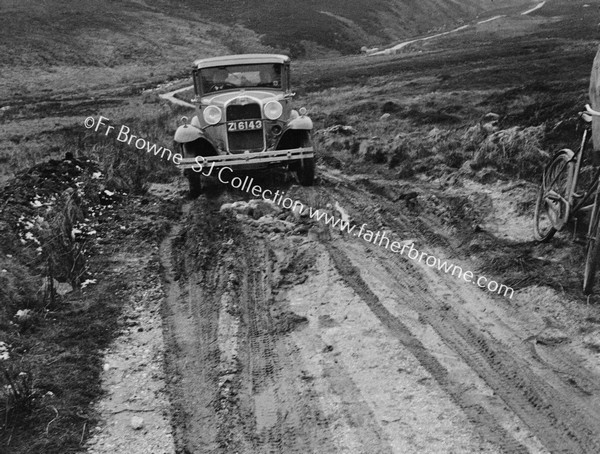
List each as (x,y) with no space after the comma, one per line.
(238,387)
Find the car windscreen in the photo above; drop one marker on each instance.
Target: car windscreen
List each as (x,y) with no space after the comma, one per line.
(241,76)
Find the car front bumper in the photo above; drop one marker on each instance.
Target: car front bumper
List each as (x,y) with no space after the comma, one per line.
(258,159)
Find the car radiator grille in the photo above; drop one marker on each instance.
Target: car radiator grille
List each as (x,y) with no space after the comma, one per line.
(240,141)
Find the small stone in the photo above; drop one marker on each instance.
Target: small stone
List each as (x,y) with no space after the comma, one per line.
(23,315)
(298,212)
(491,116)
(137,422)
(435,132)
(63,288)
(408,242)
(385,116)
(476,244)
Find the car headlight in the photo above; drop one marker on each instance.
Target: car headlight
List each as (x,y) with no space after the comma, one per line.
(273,110)
(212,115)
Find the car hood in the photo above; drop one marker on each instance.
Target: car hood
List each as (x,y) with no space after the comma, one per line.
(259,96)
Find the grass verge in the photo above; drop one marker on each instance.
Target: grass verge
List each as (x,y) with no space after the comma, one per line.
(63,222)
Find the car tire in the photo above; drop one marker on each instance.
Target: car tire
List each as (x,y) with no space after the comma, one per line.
(306,172)
(195,185)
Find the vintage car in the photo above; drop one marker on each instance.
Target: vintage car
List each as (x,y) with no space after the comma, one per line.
(245,119)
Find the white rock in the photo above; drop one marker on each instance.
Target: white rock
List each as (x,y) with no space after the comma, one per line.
(343,212)
(4,355)
(408,242)
(63,288)
(267,219)
(87,282)
(240,204)
(23,315)
(298,213)
(137,422)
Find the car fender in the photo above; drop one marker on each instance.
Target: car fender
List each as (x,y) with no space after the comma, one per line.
(188,133)
(300,123)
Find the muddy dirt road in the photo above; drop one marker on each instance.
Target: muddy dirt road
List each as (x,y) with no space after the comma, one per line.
(285,335)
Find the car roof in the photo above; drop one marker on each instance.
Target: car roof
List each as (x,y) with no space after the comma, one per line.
(240,59)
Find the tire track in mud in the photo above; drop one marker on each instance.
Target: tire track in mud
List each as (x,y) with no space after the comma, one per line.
(263,367)
(246,396)
(548,411)
(563,420)
(189,335)
(287,418)
(489,429)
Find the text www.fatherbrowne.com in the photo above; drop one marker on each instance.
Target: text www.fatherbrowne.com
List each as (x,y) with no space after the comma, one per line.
(345,226)
(381,239)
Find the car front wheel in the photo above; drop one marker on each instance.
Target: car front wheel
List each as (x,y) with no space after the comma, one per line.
(306,172)
(195,184)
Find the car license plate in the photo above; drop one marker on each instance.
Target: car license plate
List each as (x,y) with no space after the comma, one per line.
(244,125)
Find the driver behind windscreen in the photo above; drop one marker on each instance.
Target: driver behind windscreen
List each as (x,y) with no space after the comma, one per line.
(219,80)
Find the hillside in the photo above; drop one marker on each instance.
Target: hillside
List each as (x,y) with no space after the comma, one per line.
(306,26)
(63,46)
(54,47)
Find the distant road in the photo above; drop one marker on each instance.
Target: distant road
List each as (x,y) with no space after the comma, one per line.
(397,47)
(406,43)
(490,19)
(170,96)
(536,7)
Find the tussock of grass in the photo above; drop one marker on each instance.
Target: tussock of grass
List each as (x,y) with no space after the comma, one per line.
(64,255)
(18,289)
(517,151)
